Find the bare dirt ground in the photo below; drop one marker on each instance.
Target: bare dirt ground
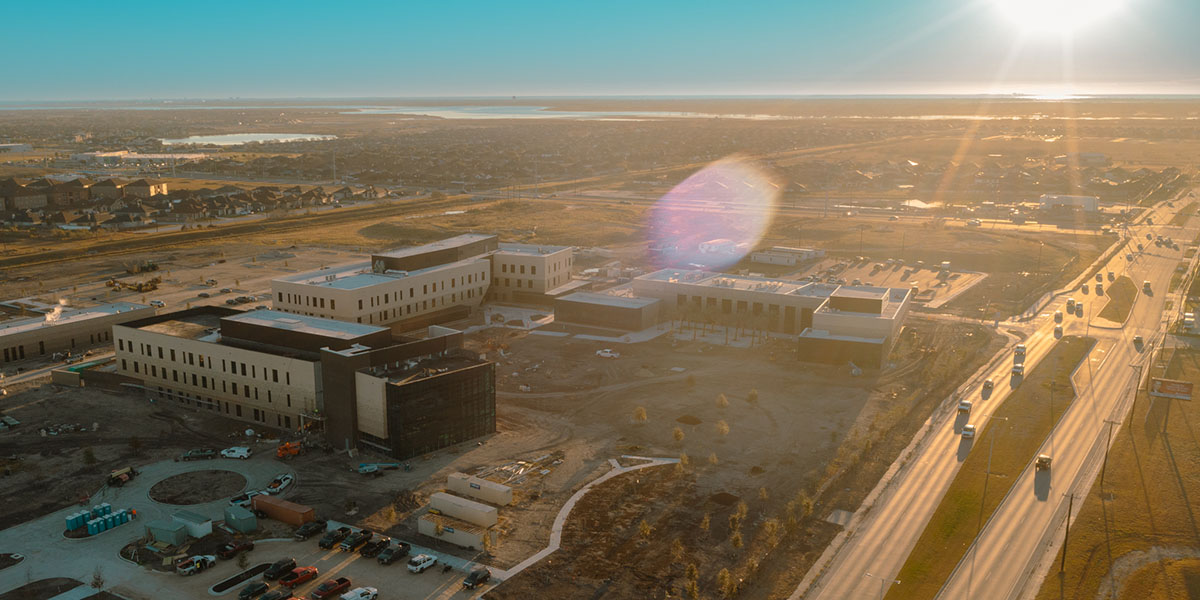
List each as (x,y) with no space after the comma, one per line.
(815,439)
(197,487)
(41,589)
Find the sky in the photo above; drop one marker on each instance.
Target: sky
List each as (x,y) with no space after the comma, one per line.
(267,49)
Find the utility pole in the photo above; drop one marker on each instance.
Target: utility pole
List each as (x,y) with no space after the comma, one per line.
(1062,566)
(1104,465)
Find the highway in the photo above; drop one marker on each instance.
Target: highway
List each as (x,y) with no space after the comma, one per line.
(864,560)
(1038,500)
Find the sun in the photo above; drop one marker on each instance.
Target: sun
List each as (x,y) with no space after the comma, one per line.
(1056,16)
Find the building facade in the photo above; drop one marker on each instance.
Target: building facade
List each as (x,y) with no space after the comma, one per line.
(65,330)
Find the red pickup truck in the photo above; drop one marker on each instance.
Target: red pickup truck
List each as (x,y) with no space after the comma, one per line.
(331,588)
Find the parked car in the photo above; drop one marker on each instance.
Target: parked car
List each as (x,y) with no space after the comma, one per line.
(278,595)
(243,499)
(968,431)
(298,576)
(372,548)
(1018,370)
(331,539)
(195,564)
(204,295)
(392,554)
(420,562)
(608,353)
(330,588)
(309,529)
(232,549)
(987,385)
(1058,330)
(280,483)
(362,593)
(198,454)
(279,568)
(254,590)
(231,302)
(477,578)
(226,290)
(356,540)
(241,452)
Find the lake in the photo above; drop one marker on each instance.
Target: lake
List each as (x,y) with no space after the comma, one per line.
(234,139)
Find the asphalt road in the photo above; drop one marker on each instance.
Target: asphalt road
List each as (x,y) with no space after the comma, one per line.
(864,562)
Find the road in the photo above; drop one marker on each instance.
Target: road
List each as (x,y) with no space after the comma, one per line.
(1037,501)
(864,560)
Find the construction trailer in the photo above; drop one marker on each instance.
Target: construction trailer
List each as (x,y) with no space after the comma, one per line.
(240,519)
(455,531)
(197,525)
(464,509)
(479,489)
(172,532)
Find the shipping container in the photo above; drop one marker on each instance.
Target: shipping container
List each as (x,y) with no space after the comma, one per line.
(479,489)
(282,510)
(464,509)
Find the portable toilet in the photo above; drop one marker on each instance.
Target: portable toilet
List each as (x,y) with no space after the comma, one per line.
(110,521)
(125,516)
(79,519)
(91,527)
(106,508)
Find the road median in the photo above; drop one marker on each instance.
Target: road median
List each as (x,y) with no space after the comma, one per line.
(1032,410)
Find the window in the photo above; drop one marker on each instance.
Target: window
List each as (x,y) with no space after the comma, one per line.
(332,304)
(522,269)
(239,409)
(243,369)
(160,352)
(275,375)
(322,303)
(518,283)
(533,270)
(360,307)
(172,355)
(281,296)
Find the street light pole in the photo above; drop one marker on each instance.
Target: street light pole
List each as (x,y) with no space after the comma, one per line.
(1062,566)
(883,581)
(1104,466)
(987,475)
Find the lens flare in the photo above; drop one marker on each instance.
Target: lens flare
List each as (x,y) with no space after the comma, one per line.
(715,217)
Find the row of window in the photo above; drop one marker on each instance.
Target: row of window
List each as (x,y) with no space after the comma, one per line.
(259,416)
(14,353)
(201,381)
(193,359)
(507,268)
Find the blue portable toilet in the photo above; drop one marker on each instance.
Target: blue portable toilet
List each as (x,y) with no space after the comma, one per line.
(91,527)
(110,521)
(77,520)
(125,516)
(107,508)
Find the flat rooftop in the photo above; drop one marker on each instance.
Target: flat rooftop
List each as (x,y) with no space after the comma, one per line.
(533,249)
(427,367)
(821,334)
(359,275)
(196,326)
(609,300)
(66,317)
(863,292)
(304,324)
(742,282)
(454,242)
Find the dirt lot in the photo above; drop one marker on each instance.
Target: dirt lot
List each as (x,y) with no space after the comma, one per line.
(197,487)
(831,436)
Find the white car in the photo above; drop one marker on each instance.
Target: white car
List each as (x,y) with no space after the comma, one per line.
(608,353)
(362,593)
(964,406)
(243,500)
(157,303)
(968,431)
(195,564)
(241,452)
(420,562)
(280,483)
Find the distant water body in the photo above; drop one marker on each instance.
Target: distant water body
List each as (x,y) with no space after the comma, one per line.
(235,139)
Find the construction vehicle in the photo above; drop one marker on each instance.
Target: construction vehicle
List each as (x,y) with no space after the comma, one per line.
(120,477)
(376,469)
(287,450)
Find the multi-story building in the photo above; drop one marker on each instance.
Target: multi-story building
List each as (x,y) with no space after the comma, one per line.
(60,330)
(359,384)
(842,321)
(443,281)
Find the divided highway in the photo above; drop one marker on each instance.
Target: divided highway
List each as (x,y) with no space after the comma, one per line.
(864,561)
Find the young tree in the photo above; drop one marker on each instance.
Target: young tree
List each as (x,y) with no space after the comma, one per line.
(735,539)
(692,573)
(712,458)
(722,401)
(726,583)
(752,397)
(722,428)
(683,458)
(645,529)
(89,457)
(742,510)
(639,414)
(705,522)
(677,434)
(676,550)
(762,494)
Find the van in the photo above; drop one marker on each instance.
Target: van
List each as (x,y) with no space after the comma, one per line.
(1070,305)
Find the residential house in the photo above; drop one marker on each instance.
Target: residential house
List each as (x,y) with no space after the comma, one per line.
(145,188)
(109,189)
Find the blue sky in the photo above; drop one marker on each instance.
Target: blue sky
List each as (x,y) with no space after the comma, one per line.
(253,49)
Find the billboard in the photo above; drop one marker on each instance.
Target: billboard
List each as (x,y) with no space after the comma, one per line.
(1170,388)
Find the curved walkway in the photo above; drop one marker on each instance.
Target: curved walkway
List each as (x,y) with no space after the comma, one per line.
(561,519)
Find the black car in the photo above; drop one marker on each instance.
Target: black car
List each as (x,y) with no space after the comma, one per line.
(278,595)
(374,547)
(253,590)
(392,554)
(353,542)
(477,578)
(310,529)
(331,539)
(279,568)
